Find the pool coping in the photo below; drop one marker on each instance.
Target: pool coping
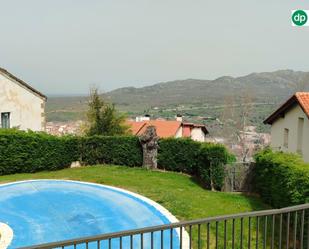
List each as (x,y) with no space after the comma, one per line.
(168,215)
(6,235)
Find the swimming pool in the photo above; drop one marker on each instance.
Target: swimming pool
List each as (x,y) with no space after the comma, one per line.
(42,211)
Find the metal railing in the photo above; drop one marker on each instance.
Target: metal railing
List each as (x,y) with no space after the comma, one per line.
(277,228)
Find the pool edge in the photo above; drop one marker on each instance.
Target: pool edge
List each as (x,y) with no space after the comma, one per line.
(6,235)
(167,214)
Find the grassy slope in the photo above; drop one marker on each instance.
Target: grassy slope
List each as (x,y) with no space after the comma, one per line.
(176,192)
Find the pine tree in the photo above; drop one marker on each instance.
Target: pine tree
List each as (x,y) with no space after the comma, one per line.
(103,118)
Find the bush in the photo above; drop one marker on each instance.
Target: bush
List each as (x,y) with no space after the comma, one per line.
(30,152)
(178,154)
(206,161)
(212,159)
(282,179)
(120,150)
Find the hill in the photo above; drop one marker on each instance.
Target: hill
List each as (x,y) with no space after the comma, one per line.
(192,97)
(263,86)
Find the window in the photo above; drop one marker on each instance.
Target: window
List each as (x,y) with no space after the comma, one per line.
(5,120)
(300,129)
(286,138)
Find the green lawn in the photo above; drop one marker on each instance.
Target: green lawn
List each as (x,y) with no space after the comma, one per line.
(176,192)
(179,193)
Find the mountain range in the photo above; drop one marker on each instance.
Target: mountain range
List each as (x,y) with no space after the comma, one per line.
(263,86)
(266,87)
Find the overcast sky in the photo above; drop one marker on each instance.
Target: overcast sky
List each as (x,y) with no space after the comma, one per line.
(64,46)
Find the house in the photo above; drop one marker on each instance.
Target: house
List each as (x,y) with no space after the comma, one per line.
(21,106)
(290,125)
(169,128)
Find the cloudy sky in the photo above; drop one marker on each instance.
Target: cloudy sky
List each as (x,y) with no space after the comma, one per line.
(64,46)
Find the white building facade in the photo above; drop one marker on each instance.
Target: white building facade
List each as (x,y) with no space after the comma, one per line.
(290,126)
(21,106)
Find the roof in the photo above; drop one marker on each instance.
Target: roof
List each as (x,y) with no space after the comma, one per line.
(192,125)
(8,74)
(303,99)
(163,128)
(300,98)
(135,127)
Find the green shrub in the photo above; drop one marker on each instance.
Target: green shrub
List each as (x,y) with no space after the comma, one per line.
(30,152)
(119,150)
(212,159)
(206,161)
(282,179)
(178,154)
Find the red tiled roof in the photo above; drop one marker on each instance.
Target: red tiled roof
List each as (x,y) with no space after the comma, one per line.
(300,98)
(164,128)
(303,99)
(135,127)
(192,125)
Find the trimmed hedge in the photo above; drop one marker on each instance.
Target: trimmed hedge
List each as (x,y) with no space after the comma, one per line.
(204,160)
(212,159)
(120,150)
(176,154)
(282,179)
(30,152)
(23,152)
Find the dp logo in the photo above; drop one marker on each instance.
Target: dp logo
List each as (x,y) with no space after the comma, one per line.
(299,18)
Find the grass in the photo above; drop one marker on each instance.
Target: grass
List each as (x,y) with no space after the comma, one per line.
(177,192)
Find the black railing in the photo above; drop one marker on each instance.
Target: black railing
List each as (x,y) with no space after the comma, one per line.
(277,228)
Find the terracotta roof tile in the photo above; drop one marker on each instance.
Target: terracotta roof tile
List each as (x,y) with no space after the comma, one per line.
(192,125)
(303,99)
(164,128)
(135,127)
(300,98)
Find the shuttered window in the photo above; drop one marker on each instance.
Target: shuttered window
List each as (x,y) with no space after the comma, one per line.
(300,130)
(286,138)
(5,120)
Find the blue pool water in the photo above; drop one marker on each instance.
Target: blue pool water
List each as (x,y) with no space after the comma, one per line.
(47,210)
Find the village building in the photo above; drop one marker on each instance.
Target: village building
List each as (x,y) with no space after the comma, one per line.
(290,125)
(169,128)
(64,128)
(21,106)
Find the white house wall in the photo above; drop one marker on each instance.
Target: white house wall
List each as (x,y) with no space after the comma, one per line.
(197,134)
(179,132)
(26,108)
(290,121)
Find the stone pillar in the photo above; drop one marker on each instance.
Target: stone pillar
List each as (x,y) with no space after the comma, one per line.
(149,142)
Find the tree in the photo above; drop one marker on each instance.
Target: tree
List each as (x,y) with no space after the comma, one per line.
(235,118)
(103,118)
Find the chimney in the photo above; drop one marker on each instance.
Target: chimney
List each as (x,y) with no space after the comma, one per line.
(179,117)
(146,117)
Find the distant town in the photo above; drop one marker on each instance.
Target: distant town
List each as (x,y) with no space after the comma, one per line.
(250,139)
